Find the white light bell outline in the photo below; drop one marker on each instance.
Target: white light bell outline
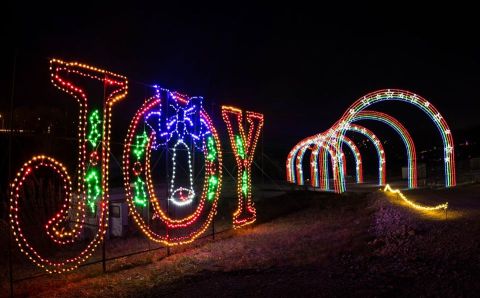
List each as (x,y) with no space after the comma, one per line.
(185,122)
(181,196)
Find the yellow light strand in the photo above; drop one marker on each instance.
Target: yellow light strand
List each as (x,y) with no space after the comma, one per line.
(411,203)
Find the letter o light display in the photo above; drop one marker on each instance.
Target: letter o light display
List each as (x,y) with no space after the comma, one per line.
(149,130)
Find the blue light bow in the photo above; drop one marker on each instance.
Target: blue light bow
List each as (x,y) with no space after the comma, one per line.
(173,120)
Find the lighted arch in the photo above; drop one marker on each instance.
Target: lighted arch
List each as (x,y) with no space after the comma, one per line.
(316,150)
(323,157)
(417,101)
(339,168)
(357,157)
(382,161)
(323,174)
(294,162)
(319,149)
(323,163)
(291,168)
(298,165)
(295,157)
(406,139)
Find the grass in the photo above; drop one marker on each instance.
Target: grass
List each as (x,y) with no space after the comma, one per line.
(302,243)
(291,229)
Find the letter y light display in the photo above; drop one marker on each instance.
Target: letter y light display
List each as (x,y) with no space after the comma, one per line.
(243,146)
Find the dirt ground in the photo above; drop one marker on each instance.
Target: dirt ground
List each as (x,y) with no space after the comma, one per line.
(307,244)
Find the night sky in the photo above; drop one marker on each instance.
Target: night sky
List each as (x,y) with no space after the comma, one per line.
(301,66)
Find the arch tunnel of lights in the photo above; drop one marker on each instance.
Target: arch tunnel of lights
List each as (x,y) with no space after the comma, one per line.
(328,145)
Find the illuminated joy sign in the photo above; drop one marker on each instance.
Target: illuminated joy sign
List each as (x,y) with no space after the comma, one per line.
(166,119)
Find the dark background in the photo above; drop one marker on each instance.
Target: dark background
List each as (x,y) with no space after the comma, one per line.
(300,65)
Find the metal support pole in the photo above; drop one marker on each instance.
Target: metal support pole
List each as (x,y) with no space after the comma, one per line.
(10,265)
(212,110)
(10,136)
(168,176)
(148,201)
(104,264)
(148,219)
(263,170)
(213,228)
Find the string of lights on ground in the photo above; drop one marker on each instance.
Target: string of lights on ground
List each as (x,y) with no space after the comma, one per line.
(412,204)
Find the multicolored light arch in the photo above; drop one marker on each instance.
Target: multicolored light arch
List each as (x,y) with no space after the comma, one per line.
(402,132)
(382,161)
(322,149)
(340,170)
(322,174)
(294,162)
(357,112)
(416,101)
